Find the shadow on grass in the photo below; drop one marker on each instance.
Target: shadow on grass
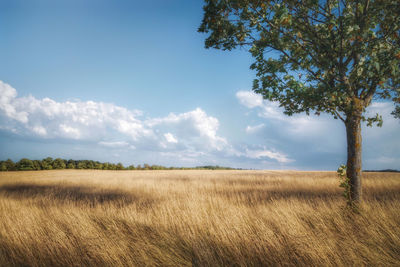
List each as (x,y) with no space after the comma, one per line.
(382,194)
(267,195)
(259,195)
(76,194)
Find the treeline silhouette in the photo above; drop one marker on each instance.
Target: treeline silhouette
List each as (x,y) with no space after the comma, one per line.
(59,164)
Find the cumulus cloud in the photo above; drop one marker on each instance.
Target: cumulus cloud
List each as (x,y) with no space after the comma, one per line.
(199,129)
(185,136)
(8,103)
(88,120)
(249,99)
(170,138)
(80,120)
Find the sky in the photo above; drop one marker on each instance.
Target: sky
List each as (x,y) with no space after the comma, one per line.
(131,82)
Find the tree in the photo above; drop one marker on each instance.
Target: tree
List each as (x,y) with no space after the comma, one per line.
(396,112)
(3,166)
(47,163)
(25,165)
(332,56)
(131,167)
(36,165)
(81,165)
(86,164)
(106,166)
(9,165)
(98,165)
(146,166)
(71,164)
(119,166)
(59,164)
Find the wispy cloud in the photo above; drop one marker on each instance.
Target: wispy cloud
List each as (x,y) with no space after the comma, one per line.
(314,139)
(254,129)
(265,153)
(114,144)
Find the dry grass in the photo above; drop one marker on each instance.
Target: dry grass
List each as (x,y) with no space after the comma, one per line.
(202,218)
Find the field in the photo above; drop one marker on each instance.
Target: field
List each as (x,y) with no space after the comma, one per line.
(199,218)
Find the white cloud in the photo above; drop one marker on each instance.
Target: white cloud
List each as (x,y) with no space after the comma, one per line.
(8,104)
(195,128)
(262,153)
(298,125)
(314,139)
(170,138)
(80,120)
(39,130)
(254,129)
(187,136)
(249,99)
(271,110)
(70,132)
(114,144)
(302,125)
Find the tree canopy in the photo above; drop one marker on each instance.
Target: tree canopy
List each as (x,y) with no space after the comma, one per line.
(327,56)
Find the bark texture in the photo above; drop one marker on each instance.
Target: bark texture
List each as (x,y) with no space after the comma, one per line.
(354,157)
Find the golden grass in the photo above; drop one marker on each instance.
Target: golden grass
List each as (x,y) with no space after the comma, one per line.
(200,218)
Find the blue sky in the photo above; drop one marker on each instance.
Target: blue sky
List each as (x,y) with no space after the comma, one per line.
(131,82)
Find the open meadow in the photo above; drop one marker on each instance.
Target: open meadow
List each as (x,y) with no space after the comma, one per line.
(199,218)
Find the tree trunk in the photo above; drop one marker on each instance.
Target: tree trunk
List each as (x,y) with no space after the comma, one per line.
(354,142)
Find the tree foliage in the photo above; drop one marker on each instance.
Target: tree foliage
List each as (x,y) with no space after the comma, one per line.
(330,56)
(59,164)
(46,164)
(25,165)
(396,112)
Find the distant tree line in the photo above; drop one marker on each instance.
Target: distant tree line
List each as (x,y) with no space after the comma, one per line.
(60,164)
